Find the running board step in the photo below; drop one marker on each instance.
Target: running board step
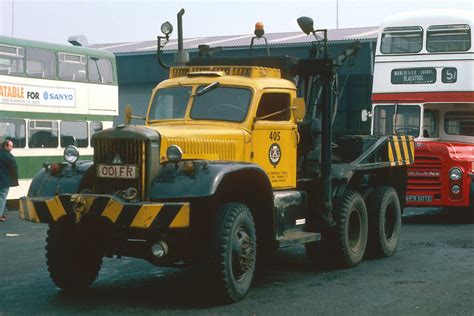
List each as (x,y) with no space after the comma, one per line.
(298,237)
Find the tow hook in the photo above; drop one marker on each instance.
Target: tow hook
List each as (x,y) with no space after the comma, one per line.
(79,206)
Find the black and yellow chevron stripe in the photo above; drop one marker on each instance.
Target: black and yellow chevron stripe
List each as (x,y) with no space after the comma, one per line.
(144,215)
(401,150)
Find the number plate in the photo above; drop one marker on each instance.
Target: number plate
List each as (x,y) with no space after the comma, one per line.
(117,171)
(419,198)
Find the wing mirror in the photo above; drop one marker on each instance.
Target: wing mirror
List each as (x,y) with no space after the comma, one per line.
(298,107)
(129,116)
(364,115)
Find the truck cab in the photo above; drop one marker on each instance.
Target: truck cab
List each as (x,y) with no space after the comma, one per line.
(229,113)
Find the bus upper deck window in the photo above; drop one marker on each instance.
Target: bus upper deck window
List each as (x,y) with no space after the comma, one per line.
(72,67)
(448,38)
(11,60)
(397,40)
(100,70)
(40,63)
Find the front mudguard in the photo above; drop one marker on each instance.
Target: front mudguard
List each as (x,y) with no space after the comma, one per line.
(68,178)
(173,182)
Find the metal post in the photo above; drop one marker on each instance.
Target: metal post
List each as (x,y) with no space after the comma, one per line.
(326,141)
(13,17)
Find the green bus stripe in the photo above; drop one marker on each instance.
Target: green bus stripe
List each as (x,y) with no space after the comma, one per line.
(29,166)
(55,116)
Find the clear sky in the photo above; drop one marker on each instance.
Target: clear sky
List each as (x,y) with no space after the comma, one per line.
(104,21)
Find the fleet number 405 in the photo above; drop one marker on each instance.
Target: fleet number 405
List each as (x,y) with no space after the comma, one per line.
(274,136)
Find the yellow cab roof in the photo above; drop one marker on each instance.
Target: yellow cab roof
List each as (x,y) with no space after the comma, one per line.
(254,77)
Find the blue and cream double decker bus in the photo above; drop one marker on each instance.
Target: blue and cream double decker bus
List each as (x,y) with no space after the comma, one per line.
(52,96)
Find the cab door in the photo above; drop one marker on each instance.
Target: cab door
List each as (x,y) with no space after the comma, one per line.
(275,139)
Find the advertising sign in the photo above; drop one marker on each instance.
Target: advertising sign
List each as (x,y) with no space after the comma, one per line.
(37,95)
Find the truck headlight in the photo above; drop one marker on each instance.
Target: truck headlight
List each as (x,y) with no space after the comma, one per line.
(71,154)
(174,154)
(455,173)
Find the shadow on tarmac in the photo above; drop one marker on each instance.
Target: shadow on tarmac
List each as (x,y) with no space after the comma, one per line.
(438,216)
(178,289)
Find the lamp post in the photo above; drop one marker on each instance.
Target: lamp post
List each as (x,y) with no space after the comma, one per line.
(13,17)
(337,14)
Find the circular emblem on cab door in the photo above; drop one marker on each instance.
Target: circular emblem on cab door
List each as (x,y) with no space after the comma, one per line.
(274,154)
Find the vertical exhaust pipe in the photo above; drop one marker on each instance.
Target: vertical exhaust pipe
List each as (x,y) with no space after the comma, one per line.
(182,57)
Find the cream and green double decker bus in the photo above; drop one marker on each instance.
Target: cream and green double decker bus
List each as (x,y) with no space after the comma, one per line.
(52,96)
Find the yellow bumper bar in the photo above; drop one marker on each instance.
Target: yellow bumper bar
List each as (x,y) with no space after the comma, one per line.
(135,215)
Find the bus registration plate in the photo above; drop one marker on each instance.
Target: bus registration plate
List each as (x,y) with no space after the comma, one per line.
(419,198)
(117,171)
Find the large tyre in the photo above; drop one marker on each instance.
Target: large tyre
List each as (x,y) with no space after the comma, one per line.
(234,252)
(350,233)
(385,221)
(73,262)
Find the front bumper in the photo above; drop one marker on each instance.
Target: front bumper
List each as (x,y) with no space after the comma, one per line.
(144,216)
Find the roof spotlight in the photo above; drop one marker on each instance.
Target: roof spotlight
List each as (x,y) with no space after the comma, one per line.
(306,24)
(166,28)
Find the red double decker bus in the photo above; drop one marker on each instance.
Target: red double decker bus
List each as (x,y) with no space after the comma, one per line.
(423,86)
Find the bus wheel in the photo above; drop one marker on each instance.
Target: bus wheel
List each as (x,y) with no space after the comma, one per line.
(385,220)
(73,263)
(350,233)
(234,252)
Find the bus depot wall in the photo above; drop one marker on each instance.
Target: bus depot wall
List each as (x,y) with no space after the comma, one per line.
(139,72)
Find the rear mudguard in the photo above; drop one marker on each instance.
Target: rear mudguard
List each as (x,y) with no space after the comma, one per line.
(67,179)
(174,183)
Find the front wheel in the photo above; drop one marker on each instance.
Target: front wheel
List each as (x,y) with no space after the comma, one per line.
(73,262)
(234,252)
(385,220)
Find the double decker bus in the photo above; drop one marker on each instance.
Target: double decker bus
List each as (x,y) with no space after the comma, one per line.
(52,96)
(423,86)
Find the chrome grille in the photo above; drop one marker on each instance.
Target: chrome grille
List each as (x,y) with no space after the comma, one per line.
(424,175)
(131,151)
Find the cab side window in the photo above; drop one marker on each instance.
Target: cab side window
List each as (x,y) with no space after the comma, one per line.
(274,107)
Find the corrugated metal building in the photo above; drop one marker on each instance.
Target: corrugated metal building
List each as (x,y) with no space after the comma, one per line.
(139,70)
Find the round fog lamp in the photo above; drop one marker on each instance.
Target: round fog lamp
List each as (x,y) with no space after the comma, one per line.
(159,249)
(71,154)
(174,153)
(456,189)
(455,174)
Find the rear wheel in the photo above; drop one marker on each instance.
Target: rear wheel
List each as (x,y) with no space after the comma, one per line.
(234,254)
(350,233)
(385,220)
(73,262)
